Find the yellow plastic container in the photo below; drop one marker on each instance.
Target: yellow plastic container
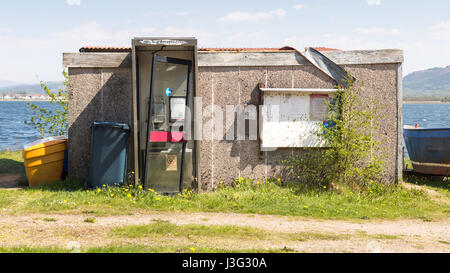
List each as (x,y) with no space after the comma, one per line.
(44,160)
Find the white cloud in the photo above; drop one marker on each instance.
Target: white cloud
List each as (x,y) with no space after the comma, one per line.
(419,54)
(440,32)
(441,26)
(124,36)
(381,31)
(73,2)
(298,6)
(248,39)
(373,2)
(242,16)
(90,33)
(44,57)
(183,13)
(158,13)
(5,29)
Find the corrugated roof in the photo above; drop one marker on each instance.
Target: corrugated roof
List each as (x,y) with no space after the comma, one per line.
(232,49)
(105,49)
(128,49)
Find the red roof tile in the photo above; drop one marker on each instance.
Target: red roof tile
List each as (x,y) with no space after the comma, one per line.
(128,49)
(105,49)
(242,49)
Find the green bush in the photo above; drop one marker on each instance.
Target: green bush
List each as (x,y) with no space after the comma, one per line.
(51,122)
(353,157)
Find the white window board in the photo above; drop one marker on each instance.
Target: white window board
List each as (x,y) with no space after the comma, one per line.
(287,118)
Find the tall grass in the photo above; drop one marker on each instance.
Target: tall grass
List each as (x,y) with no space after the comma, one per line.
(244,196)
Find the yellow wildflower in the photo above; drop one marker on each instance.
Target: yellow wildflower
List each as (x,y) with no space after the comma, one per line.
(192,249)
(157,199)
(140,187)
(129,195)
(99,190)
(112,194)
(305,207)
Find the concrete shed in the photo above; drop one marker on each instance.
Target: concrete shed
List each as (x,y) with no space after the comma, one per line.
(101,89)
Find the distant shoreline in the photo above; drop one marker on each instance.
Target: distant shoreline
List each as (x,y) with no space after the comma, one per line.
(25,100)
(426,102)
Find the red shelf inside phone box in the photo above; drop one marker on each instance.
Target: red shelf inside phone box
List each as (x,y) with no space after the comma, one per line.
(167,137)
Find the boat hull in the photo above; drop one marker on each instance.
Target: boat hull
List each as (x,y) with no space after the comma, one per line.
(429,150)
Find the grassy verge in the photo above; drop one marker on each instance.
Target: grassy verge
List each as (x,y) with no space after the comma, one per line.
(263,199)
(11,163)
(245,197)
(168,229)
(139,249)
(207,232)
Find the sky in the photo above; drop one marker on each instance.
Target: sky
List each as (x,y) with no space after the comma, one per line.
(34,34)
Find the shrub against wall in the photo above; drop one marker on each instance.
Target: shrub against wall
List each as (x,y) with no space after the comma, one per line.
(51,121)
(352,157)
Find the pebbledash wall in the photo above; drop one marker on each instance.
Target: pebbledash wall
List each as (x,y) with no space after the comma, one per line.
(100,90)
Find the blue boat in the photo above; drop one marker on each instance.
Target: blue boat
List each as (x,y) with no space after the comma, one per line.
(428,149)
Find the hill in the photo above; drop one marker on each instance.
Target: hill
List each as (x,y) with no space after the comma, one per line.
(430,83)
(4,83)
(29,88)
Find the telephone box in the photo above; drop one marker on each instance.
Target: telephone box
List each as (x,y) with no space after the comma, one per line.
(164,87)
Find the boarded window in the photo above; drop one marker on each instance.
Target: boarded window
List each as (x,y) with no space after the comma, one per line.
(319,109)
(292,119)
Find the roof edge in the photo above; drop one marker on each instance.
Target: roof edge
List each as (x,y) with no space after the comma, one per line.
(112,49)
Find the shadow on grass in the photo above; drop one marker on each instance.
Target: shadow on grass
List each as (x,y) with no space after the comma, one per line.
(10,166)
(68,185)
(440,182)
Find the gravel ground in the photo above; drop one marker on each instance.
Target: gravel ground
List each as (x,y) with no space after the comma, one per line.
(361,236)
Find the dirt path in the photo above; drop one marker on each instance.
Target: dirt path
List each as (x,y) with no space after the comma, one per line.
(10,181)
(364,236)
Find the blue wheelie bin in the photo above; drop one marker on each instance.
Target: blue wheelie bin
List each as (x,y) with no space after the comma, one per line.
(108,154)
